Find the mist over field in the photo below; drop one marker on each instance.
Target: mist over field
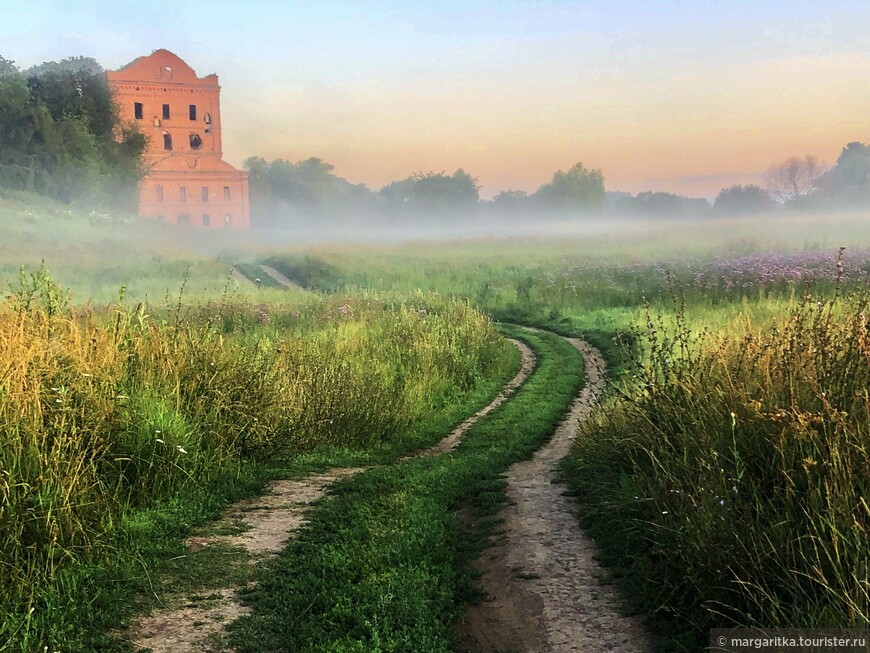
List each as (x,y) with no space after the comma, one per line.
(451,328)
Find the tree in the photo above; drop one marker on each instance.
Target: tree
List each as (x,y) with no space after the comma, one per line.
(793,178)
(7,68)
(847,184)
(60,135)
(662,205)
(282,192)
(577,189)
(510,202)
(742,200)
(432,192)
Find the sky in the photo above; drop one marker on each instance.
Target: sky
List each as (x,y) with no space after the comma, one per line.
(678,96)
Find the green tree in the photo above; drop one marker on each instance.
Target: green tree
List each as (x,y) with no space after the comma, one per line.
(60,135)
(7,67)
(743,200)
(432,192)
(662,205)
(847,184)
(578,189)
(510,202)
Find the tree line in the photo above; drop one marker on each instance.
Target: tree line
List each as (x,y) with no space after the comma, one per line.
(282,191)
(61,136)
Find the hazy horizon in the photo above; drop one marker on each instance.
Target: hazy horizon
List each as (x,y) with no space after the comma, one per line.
(677,98)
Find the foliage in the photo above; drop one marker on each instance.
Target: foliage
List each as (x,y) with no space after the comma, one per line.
(578,189)
(284,192)
(60,135)
(727,483)
(740,200)
(847,184)
(662,205)
(107,414)
(432,193)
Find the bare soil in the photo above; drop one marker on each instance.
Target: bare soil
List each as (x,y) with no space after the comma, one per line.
(543,585)
(264,525)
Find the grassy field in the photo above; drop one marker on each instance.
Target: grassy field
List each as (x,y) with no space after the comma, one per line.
(725,477)
(107,414)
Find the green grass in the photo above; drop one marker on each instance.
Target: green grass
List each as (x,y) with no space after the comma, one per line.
(383,564)
(107,416)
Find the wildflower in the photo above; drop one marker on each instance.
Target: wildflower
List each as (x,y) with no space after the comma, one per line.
(180,448)
(721,502)
(160,441)
(664,512)
(157,431)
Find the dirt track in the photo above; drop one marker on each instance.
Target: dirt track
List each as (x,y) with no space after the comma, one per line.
(542,582)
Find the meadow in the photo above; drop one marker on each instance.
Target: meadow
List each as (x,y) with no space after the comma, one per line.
(128,422)
(726,476)
(144,385)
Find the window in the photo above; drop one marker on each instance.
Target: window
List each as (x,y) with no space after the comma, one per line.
(228,220)
(192,111)
(204,193)
(167,141)
(226,192)
(159,192)
(168,72)
(166,112)
(137,110)
(195,142)
(206,220)
(182,194)
(184,218)
(207,119)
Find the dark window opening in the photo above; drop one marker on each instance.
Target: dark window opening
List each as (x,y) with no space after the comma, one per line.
(137,110)
(184,218)
(195,142)
(166,112)
(226,192)
(206,220)
(192,111)
(204,193)
(182,194)
(167,142)
(207,119)
(228,220)
(159,191)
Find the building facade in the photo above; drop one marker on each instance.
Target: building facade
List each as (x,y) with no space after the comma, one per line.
(188,182)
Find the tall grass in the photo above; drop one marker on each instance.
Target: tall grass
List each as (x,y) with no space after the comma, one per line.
(730,483)
(102,413)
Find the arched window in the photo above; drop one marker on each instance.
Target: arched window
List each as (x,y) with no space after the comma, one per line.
(167,141)
(195,142)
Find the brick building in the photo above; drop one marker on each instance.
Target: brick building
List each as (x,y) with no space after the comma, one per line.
(188,182)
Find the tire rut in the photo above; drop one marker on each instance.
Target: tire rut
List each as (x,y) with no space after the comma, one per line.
(195,624)
(543,585)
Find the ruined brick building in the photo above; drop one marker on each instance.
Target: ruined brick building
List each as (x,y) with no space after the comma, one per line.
(188,182)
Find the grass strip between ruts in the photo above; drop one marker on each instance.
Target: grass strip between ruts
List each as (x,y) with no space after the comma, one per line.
(383,565)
